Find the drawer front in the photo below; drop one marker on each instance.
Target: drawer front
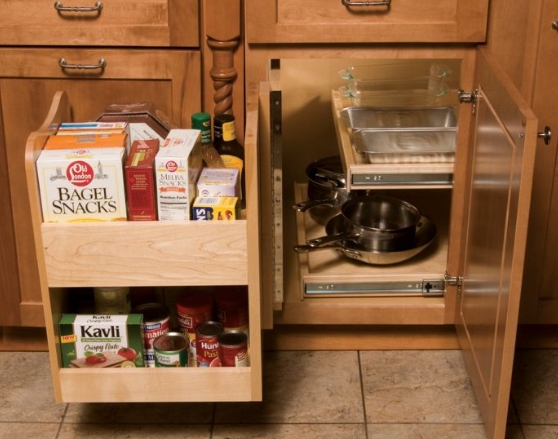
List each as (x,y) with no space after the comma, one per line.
(100,23)
(333,21)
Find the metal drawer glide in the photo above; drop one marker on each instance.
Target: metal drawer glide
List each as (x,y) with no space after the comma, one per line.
(425,287)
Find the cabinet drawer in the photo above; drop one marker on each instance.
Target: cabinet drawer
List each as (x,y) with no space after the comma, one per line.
(95,23)
(332,21)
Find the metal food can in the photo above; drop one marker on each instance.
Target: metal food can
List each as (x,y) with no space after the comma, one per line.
(233,349)
(192,309)
(232,308)
(112,300)
(171,350)
(207,344)
(156,322)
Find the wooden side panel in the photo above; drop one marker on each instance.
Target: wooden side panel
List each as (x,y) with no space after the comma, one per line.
(500,190)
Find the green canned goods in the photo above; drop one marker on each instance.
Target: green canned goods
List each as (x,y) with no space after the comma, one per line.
(171,350)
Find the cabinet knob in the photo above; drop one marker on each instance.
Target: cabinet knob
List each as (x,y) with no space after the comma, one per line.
(546,135)
(555,25)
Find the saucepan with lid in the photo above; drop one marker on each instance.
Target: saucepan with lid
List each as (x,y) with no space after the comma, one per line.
(326,189)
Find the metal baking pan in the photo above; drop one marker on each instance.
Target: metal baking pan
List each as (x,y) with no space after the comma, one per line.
(406,145)
(404,118)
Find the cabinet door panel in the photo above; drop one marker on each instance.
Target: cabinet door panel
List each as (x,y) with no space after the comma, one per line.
(329,21)
(106,23)
(28,81)
(502,165)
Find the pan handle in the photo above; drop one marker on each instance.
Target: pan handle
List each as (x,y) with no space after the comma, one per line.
(303,206)
(305,248)
(332,239)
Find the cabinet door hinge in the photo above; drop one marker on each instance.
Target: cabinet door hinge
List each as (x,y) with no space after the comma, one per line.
(454,281)
(468,97)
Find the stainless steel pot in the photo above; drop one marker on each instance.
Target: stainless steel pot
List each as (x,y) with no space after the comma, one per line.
(376,222)
(326,189)
(425,234)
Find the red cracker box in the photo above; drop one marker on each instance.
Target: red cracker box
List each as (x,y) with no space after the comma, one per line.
(140,180)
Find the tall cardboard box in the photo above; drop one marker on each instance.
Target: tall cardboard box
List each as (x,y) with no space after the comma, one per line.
(140,180)
(178,165)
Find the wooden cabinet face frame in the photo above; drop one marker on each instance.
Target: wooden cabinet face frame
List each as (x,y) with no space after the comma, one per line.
(330,21)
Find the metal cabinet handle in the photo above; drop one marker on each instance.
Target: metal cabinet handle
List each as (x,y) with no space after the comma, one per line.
(366,3)
(65,66)
(546,135)
(95,8)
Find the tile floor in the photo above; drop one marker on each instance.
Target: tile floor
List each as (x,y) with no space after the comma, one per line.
(307,395)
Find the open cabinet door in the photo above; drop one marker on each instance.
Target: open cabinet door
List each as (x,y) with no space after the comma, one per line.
(503,138)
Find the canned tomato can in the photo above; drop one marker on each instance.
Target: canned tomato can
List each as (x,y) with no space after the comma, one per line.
(192,309)
(232,308)
(233,349)
(112,300)
(171,350)
(207,344)
(156,322)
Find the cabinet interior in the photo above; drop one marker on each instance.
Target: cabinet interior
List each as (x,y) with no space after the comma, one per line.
(309,133)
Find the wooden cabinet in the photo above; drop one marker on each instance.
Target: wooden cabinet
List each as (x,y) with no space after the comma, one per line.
(29,79)
(145,253)
(482,235)
(386,21)
(100,53)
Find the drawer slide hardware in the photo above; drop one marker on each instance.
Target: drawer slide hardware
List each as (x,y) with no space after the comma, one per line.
(424,288)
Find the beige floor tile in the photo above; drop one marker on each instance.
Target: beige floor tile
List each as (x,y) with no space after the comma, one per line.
(437,431)
(289,431)
(12,430)
(540,431)
(303,387)
(417,387)
(26,388)
(535,386)
(140,413)
(101,431)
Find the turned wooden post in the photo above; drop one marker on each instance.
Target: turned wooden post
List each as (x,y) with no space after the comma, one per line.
(223,73)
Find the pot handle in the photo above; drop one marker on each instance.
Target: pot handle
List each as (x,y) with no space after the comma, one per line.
(303,206)
(332,239)
(305,248)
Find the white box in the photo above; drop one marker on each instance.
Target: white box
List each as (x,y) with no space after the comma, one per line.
(178,165)
(218,182)
(82,184)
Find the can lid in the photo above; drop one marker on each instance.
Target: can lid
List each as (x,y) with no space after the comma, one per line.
(171,341)
(233,338)
(152,311)
(209,329)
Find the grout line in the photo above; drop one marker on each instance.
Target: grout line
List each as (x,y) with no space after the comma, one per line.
(362,395)
(62,419)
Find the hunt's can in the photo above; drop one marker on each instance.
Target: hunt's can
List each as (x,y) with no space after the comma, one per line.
(233,349)
(192,309)
(171,350)
(156,322)
(207,344)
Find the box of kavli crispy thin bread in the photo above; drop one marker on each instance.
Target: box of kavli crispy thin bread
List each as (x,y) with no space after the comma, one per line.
(82,184)
(178,165)
(98,341)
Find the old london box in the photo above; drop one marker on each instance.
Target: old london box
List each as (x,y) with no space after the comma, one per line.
(82,184)
(101,340)
(178,165)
